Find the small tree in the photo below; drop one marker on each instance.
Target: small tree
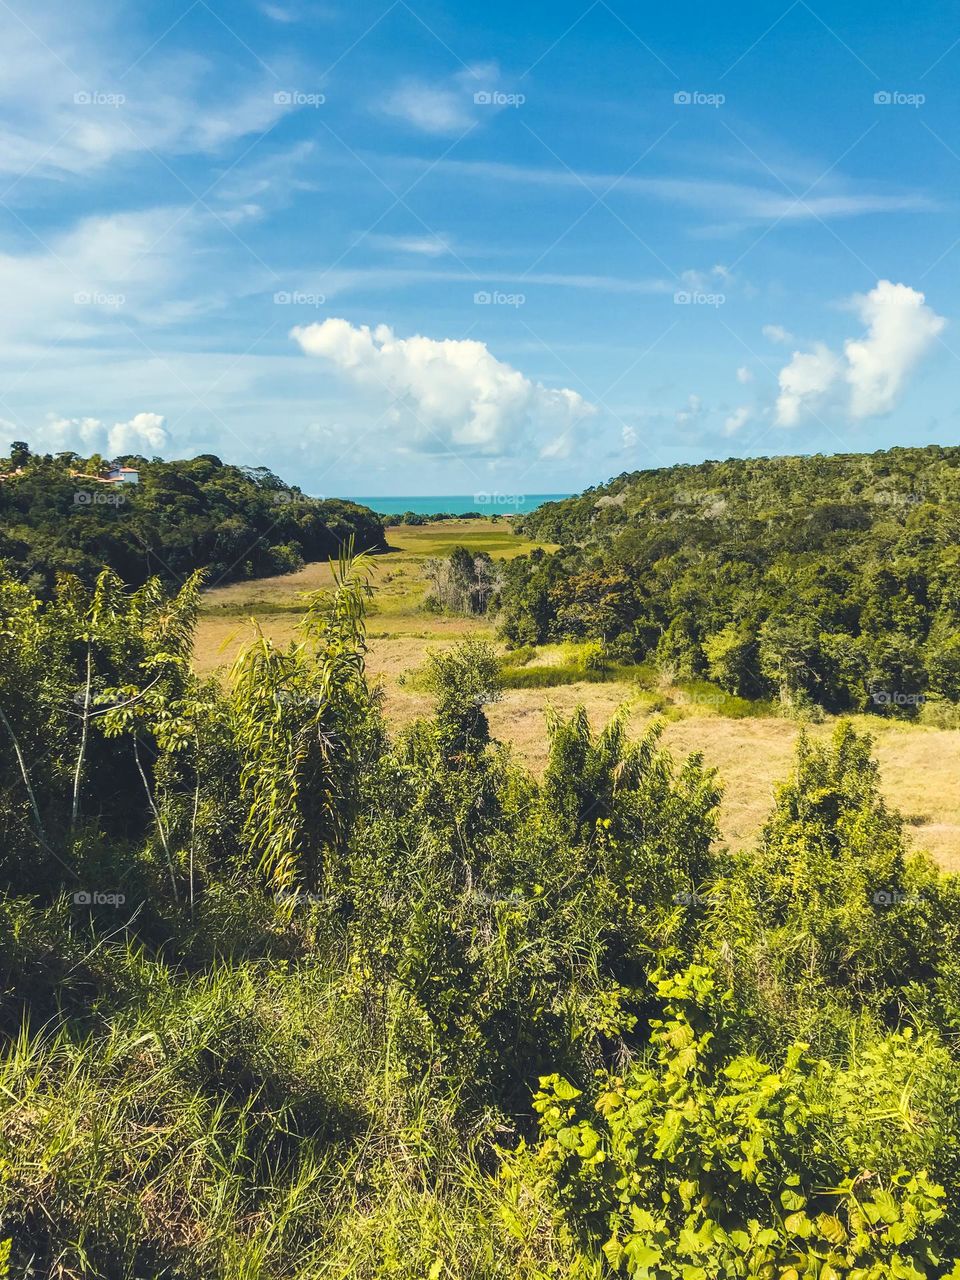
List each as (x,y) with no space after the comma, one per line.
(300,720)
(20,454)
(464,680)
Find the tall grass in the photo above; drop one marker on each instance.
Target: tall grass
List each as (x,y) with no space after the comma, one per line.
(247,1122)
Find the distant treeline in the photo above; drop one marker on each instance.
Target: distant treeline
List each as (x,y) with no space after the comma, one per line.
(417,517)
(58,515)
(825,580)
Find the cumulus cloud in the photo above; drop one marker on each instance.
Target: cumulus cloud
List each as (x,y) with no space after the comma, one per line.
(805,381)
(451,395)
(870,375)
(901,328)
(143,433)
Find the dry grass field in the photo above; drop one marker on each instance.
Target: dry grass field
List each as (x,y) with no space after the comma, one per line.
(920,766)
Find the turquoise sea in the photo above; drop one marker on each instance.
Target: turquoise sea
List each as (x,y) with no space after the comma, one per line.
(492,503)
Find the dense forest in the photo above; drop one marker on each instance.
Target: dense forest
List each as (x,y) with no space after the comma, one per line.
(832,581)
(284,995)
(57,514)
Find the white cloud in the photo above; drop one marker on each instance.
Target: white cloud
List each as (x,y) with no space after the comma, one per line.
(427,246)
(736,420)
(353,279)
(629,436)
(68,105)
(744,375)
(703,280)
(777,333)
(901,329)
(451,395)
(143,433)
(426,107)
(867,379)
(718,197)
(242,213)
(143,430)
(692,411)
(98,276)
(805,381)
(277,13)
(443,108)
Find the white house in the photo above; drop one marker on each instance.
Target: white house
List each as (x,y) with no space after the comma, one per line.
(123,475)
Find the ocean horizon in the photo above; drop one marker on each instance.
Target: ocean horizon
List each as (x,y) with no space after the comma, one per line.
(503,504)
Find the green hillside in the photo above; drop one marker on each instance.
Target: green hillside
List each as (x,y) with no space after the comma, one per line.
(826,580)
(57,516)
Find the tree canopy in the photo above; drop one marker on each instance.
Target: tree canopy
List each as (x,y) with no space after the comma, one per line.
(827,580)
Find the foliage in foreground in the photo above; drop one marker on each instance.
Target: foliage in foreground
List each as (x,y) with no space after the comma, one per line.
(281,996)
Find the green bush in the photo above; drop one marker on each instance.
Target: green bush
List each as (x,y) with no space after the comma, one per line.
(699,1163)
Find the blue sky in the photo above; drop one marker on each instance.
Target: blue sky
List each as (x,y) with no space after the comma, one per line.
(449,248)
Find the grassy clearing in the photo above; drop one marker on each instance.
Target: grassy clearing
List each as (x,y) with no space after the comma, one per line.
(918,765)
(395,610)
(746,741)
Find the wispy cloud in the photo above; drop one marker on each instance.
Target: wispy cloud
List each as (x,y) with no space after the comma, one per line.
(718,196)
(425,246)
(777,333)
(441,107)
(99,274)
(73,103)
(342,280)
